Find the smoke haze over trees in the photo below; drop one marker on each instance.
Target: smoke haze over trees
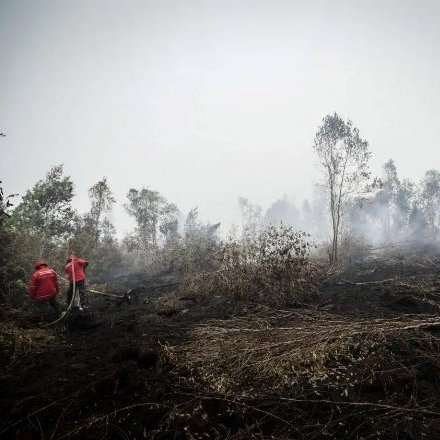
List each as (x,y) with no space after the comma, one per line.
(348,207)
(254,190)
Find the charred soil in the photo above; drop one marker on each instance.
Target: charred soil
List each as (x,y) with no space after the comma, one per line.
(360,360)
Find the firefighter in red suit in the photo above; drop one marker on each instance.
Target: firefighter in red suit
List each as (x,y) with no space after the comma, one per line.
(43,286)
(77,266)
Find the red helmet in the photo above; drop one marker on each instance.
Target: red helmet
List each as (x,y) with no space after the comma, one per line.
(40,263)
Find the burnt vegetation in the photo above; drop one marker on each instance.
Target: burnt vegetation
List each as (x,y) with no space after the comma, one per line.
(312,321)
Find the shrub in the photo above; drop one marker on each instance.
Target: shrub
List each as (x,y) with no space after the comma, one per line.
(270,266)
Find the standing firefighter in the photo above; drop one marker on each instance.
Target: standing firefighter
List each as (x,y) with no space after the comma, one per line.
(43,286)
(76,269)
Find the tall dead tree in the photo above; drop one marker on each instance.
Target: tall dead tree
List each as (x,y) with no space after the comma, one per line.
(343,157)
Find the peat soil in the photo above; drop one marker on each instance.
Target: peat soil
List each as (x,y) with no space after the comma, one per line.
(103,374)
(101,364)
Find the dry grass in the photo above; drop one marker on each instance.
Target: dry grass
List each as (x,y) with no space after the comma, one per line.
(287,363)
(17,343)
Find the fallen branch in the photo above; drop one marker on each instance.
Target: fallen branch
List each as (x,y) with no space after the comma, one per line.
(352,283)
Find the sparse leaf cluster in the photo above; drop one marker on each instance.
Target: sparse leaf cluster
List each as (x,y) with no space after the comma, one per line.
(344,157)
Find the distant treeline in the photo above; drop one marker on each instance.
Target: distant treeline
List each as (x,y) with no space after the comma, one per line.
(347,208)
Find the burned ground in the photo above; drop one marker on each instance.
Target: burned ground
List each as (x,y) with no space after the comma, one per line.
(361,360)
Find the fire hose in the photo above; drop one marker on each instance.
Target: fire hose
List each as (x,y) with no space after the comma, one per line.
(126,295)
(66,313)
(96,291)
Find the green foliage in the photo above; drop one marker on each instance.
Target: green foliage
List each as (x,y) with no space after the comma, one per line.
(46,209)
(5,204)
(196,250)
(153,214)
(9,273)
(94,234)
(199,246)
(102,201)
(37,228)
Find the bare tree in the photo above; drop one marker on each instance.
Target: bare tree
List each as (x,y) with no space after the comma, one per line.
(343,157)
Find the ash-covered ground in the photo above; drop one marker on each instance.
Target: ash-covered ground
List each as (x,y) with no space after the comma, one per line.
(360,360)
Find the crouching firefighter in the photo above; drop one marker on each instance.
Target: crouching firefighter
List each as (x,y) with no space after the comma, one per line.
(43,287)
(76,270)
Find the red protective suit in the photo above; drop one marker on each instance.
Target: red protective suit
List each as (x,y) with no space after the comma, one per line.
(43,284)
(78,265)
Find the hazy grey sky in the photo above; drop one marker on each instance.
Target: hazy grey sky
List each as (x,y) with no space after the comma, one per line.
(209,100)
